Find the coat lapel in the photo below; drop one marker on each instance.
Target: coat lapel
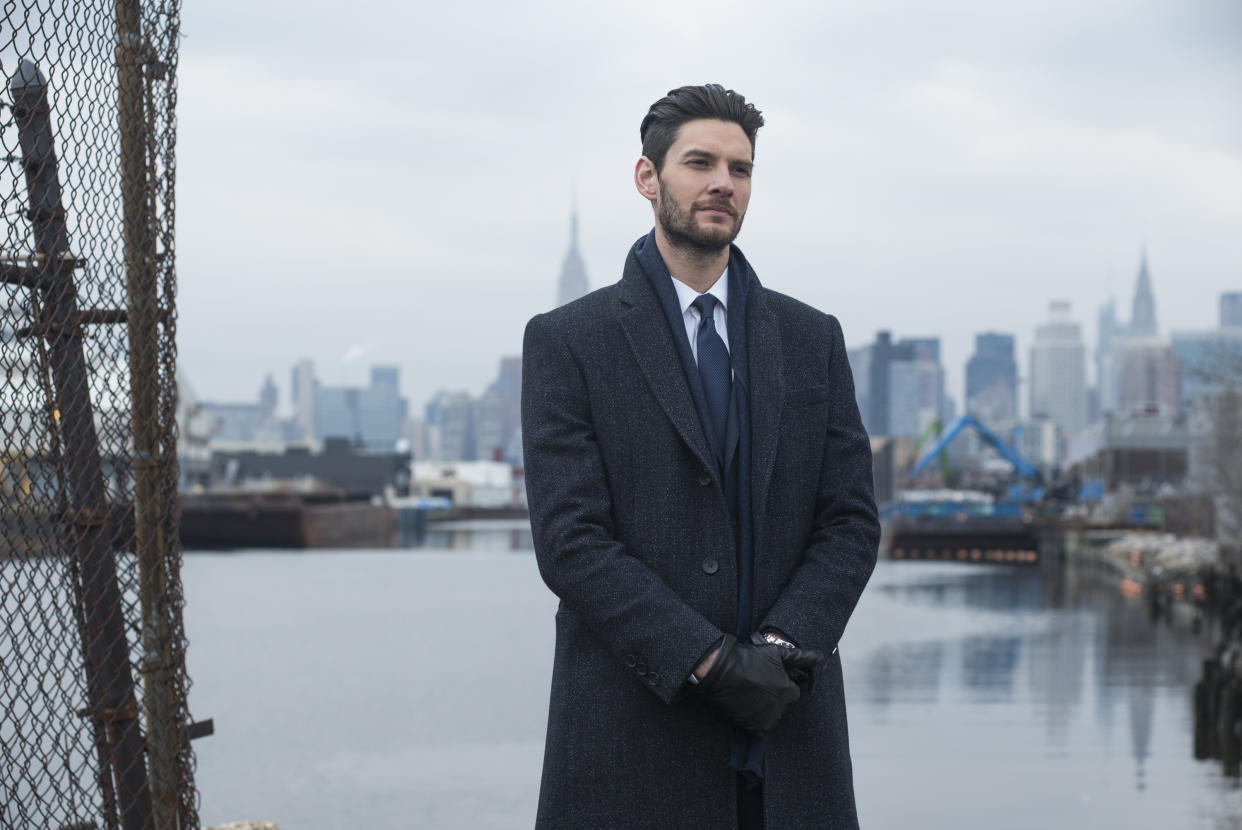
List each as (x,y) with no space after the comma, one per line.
(643,321)
(767,394)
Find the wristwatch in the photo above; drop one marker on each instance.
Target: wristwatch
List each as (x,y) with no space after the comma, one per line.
(772,639)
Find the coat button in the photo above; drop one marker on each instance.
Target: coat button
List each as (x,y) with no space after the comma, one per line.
(653,679)
(631,660)
(641,668)
(710,566)
(705,478)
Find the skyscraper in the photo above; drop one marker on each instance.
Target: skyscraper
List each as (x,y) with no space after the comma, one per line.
(899,386)
(573,283)
(992,378)
(1143,315)
(1107,380)
(1058,371)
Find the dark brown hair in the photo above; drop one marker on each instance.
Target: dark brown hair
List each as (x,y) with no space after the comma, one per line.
(662,122)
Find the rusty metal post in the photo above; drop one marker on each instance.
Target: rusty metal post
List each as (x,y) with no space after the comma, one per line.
(164,733)
(110,683)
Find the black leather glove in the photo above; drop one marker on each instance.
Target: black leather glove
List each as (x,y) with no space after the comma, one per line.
(800,663)
(749,685)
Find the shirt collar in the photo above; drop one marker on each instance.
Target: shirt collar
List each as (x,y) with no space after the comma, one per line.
(687,295)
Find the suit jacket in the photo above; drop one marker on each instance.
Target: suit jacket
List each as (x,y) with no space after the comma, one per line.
(632,531)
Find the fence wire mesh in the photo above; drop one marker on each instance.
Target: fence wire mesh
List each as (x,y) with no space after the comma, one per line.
(94,726)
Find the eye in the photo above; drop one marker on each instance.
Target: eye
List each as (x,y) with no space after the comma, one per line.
(744,172)
(698,162)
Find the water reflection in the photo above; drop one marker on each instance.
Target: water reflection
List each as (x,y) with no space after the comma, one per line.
(1042,670)
(491,535)
(980,697)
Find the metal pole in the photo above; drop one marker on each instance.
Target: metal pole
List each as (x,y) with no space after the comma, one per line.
(110,684)
(164,733)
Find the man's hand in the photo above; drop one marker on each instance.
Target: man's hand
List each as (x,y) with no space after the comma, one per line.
(749,684)
(800,663)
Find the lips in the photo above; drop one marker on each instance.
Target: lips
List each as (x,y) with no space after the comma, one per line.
(725,209)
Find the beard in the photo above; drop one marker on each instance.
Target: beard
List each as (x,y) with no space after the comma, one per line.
(683,232)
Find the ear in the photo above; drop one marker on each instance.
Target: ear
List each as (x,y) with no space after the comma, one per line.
(646,179)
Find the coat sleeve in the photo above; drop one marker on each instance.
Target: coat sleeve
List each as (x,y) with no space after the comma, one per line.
(816,603)
(618,597)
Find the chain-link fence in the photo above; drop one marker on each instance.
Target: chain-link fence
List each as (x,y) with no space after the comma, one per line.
(94,729)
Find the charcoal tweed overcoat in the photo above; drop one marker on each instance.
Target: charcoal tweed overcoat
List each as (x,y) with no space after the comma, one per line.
(632,531)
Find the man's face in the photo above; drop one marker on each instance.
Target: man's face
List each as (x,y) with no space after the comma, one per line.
(704,185)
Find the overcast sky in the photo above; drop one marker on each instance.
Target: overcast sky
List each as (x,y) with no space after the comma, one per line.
(391,182)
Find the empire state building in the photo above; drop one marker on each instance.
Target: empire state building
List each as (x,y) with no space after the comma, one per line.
(573,283)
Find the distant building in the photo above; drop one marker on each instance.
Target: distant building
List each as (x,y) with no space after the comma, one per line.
(573,282)
(370,417)
(304,387)
(1114,339)
(1058,371)
(1143,313)
(1038,440)
(1142,451)
(899,387)
(1106,370)
(507,389)
(1206,359)
(992,378)
(453,413)
(466,483)
(339,466)
(243,423)
(1231,310)
(1150,377)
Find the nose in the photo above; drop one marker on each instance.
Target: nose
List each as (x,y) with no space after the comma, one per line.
(721,182)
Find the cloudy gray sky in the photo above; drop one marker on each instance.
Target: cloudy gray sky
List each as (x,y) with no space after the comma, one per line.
(391,182)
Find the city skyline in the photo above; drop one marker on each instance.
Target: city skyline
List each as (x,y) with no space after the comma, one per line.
(1144,325)
(945,167)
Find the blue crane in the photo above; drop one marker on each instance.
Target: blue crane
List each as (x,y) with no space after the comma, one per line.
(1021,466)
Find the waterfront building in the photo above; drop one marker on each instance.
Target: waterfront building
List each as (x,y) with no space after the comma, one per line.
(340,466)
(466,483)
(573,282)
(1058,371)
(992,378)
(1144,451)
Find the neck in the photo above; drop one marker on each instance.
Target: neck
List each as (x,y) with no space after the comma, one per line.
(695,267)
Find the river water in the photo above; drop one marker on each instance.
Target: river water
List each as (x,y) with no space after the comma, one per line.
(383,690)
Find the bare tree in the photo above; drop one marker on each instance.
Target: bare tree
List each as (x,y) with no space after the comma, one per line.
(1220,411)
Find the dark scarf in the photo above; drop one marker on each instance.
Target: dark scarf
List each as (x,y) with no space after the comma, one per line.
(747,753)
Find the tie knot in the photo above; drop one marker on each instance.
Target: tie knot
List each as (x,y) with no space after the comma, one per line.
(706,304)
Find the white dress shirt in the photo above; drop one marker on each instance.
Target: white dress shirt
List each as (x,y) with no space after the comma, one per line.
(690,315)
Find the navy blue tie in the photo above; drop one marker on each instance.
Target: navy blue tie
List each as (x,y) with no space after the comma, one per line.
(714,370)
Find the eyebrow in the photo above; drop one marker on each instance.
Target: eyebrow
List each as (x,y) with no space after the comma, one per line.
(698,152)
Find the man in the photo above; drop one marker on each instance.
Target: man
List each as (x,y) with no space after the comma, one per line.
(700,496)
